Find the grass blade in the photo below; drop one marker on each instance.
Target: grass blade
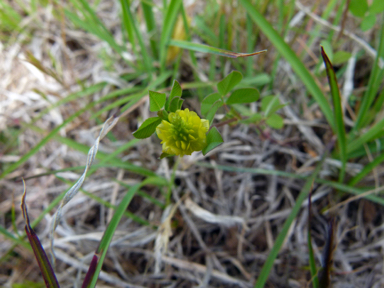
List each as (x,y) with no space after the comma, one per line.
(71,97)
(367,169)
(107,158)
(338,111)
(35,149)
(92,24)
(168,24)
(335,185)
(264,274)
(292,58)
(41,257)
(250,45)
(108,234)
(209,49)
(129,17)
(370,135)
(9,235)
(128,25)
(151,27)
(373,86)
(151,199)
(127,214)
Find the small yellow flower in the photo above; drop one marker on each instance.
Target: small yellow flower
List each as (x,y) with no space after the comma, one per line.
(184,133)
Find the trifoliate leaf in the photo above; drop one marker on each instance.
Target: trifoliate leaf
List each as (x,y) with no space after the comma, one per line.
(245,95)
(275,121)
(376,7)
(181,101)
(229,82)
(147,128)
(175,104)
(358,7)
(255,118)
(368,22)
(176,90)
(208,101)
(163,115)
(327,46)
(156,101)
(211,113)
(341,57)
(270,104)
(214,139)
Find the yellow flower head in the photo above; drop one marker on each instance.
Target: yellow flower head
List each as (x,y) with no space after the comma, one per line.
(184,133)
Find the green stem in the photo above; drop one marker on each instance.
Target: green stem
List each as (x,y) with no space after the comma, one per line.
(172,181)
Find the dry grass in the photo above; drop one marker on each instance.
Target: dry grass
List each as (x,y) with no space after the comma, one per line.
(222,225)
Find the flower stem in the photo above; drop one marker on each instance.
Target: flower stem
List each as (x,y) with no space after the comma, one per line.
(172,181)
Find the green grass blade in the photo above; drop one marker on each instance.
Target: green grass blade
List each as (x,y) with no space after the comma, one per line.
(312,262)
(337,17)
(127,100)
(373,86)
(18,241)
(354,191)
(371,134)
(128,25)
(107,158)
(264,274)
(335,185)
(127,214)
(13,216)
(373,147)
(151,26)
(92,23)
(209,49)
(325,15)
(92,15)
(188,35)
(367,169)
(205,32)
(88,91)
(168,25)
(44,141)
(108,234)
(10,20)
(289,9)
(380,99)
(338,111)
(143,51)
(249,42)
(292,58)
(222,31)
(130,99)
(144,195)
(94,29)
